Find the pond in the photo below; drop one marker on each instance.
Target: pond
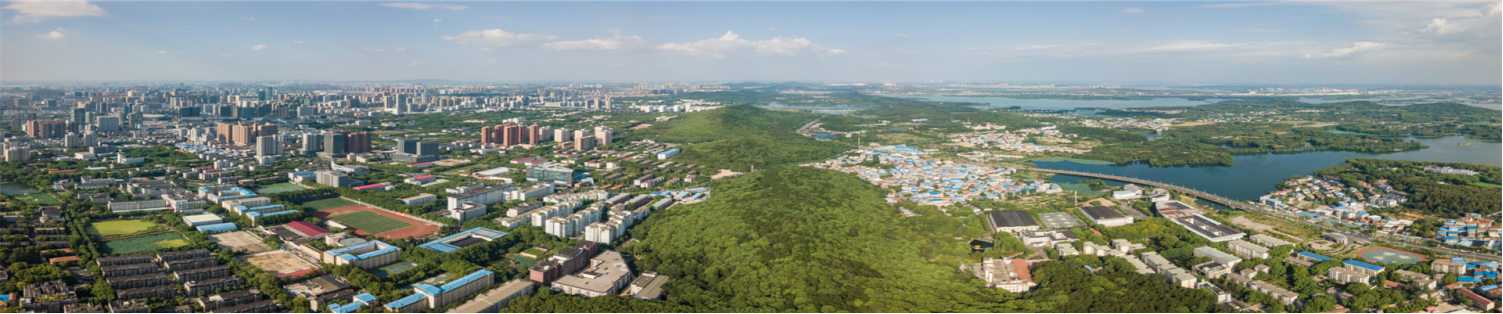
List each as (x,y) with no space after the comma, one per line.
(1252,176)
(12,188)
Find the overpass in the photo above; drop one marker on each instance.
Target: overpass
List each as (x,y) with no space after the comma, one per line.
(1400,242)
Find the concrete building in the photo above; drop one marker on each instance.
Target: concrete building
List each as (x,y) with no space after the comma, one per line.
(1216,255)
(606,275)
(1011,221)
(1208,228)
(1268,241)
(1247,249)
(440,296)
(269,145)
(1106,216)
(1046,237)
(1011,275)
(483,195)
(497,298)
(366,255)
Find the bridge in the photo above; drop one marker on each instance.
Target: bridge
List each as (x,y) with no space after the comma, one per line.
(1197,193)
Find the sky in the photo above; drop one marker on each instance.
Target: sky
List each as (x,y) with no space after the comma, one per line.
(1188,42)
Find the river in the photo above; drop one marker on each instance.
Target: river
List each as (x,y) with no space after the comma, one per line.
(1252,176)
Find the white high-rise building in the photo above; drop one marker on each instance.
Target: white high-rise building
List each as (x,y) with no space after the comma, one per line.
(561,135)
(602,136)
(268,145)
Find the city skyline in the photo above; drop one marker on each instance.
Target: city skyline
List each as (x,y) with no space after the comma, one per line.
(1108,42)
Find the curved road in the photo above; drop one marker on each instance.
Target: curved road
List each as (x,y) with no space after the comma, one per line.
(1396,241)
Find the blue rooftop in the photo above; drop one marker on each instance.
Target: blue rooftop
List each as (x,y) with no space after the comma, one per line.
(405,301)
(466,279)
(366,297)
(428,289)
(442,245)
(1314,256)
(1364,265)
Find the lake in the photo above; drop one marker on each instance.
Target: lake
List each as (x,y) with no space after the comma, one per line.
(1252,176)
(816,109)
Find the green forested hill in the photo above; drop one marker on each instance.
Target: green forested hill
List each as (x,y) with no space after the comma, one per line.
(741,136)
(799,239)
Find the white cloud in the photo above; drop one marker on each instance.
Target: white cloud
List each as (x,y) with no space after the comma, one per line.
(615,42)
(51,35)
(297,42)
(248,18)
(261,47)
(899,35)
(1133,10)
(386,50)
(437,20)
(36,11)
(1492,9)
(423,6)
(497,38)
(1358,47)
(226,55)
(731,44)
(162,52)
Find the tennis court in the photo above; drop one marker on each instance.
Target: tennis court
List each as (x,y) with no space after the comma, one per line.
(328,203)
(393,269)
(1391,256)
(1059,220)
(280,187)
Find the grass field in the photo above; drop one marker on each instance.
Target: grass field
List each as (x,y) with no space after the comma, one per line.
(280,187)
(146,243)
(39,198)
(328,203)
(118,227)
(370,222)
(1487,185)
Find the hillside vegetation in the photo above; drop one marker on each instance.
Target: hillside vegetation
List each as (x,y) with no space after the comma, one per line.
(1430,193)
(741,136)
(798,239)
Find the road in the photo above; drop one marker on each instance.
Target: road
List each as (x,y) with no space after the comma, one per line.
(1289,217)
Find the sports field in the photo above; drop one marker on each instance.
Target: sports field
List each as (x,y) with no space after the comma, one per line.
(392,269)
(146,243)
(370,222)
(280,187)
(118,227)
(1391,256)
(39,198)
(367,220)
(328,203)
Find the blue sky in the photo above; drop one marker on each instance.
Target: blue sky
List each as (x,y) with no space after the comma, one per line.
(1082,42)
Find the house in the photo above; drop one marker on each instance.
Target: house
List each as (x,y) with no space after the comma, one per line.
(1009,274)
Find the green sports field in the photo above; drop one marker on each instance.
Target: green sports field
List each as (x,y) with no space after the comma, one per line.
(146,243)
(280,187)
(372,223)
(39,198)
(328,203)
(118,227)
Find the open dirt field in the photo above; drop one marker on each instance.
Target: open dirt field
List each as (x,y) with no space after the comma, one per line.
(417,228)
(239,241)
(276,262)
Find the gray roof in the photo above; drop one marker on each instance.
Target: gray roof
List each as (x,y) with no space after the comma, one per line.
(1101,212)
(1011,218)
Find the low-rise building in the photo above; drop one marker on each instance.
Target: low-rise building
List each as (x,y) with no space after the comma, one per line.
(1009,274)
(607,275)
(497,298)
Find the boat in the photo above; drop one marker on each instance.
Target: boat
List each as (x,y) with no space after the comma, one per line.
(1463,144)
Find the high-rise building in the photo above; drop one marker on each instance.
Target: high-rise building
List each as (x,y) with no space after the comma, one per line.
(72,140)
(21,154)
(243,134)
(534,134)
(487,134)
(358,142)
(602,135)
(80,116)
(311,143)
(334,143)
(583,141)
(265,129)
(561,135)
(107,124)
(47,129)
(427,149)
(268,145)
(407,146)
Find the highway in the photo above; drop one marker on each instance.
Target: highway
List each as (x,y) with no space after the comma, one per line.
(1355,236)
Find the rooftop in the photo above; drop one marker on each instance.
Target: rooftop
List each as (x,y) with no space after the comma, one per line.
(1012,218)
(1101,212)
